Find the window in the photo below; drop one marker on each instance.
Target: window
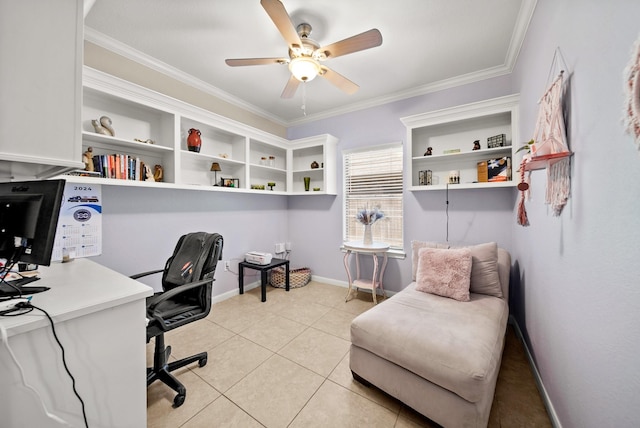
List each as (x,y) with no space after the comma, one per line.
(373,179)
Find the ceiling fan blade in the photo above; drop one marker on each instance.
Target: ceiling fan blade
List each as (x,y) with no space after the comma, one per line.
(291,88)
(255,61)
(278,14)
(359,42)
(339,80)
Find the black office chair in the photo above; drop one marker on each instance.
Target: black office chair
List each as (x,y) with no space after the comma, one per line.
(187,280)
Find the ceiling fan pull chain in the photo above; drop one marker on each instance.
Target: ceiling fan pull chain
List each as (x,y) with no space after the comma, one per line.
(304,98)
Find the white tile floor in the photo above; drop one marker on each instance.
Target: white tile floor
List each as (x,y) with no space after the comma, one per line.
(281,363)
(285,363)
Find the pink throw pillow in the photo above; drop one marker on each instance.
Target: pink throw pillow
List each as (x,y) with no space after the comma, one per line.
(446,273)
(415,253)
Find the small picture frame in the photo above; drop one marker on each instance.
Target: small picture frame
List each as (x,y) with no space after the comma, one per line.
(231,182)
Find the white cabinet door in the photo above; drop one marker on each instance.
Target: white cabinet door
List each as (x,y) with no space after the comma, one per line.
(40,86)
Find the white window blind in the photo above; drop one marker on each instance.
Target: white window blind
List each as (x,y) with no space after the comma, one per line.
(373,179)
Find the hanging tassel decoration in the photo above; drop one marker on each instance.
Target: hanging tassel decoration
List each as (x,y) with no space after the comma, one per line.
(523,187)
(631,116)
(558,185)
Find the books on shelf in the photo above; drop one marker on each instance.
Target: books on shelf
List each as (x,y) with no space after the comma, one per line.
(119,166)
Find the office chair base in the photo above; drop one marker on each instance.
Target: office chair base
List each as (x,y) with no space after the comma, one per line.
(161,370)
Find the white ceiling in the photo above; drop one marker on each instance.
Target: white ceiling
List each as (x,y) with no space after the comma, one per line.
(427,45)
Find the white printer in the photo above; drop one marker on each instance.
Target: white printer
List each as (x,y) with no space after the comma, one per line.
(257,258)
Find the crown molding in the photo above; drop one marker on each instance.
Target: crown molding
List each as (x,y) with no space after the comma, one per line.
(519,32)
(413,92)
(132,54)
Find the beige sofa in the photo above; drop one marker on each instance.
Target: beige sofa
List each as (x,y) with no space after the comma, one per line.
(437,355)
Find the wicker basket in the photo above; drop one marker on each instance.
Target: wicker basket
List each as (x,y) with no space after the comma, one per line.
(297,277)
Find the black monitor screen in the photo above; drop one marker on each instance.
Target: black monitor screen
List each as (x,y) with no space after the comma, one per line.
(29,213)
(19,216)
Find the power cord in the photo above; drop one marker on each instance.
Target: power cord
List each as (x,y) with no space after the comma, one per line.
(447,211)
(283,254)
(25,307)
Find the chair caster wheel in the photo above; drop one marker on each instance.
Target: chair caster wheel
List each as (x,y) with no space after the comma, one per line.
(179,400)
(202,362)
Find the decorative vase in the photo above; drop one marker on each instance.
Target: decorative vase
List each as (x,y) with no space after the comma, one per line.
(368,236)
(307,181)
(193,140)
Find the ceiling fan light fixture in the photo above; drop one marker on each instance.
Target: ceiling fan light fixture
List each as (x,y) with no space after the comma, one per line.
(304,68)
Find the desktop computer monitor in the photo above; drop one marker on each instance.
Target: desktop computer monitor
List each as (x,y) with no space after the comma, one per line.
(29,213)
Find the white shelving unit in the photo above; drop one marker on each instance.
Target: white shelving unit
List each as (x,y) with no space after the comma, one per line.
(457,128)
(247,156)
(268,164)
(306,151)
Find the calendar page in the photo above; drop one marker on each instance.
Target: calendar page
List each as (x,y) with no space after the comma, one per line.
(79,232)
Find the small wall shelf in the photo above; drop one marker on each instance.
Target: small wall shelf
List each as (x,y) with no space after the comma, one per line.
(545,161)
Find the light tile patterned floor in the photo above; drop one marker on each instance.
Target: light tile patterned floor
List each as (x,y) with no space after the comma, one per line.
(284,363)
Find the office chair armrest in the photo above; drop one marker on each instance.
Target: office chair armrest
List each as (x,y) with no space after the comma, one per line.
(159,315)
(159,298)
(151,272)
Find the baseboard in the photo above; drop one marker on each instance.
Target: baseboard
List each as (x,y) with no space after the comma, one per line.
(329,281)
(232,293)
(229,294)
(555,422)
(345,284)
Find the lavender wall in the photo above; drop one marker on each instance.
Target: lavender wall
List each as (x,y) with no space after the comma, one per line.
(579,298)
(474,216)
(141,227)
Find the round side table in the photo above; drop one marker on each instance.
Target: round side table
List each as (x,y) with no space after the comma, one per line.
(375,249)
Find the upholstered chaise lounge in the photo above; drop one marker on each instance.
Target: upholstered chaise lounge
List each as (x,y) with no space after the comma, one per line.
(438,355)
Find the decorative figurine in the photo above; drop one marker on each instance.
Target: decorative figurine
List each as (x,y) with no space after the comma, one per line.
(271,184)
(158,173)
(103,126)
(476,145)
(193,140)
(314,165)
(148,174)
(149,141)
(87,158)
(428,152)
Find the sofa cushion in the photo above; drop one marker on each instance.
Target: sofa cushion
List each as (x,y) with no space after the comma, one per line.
(455,345)
(415,249)
(484,271)
(444,272)
(485,278)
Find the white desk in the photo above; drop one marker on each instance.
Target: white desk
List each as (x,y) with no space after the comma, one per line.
(99,316)
(375,282)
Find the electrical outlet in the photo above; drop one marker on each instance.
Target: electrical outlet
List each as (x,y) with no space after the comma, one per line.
(280,247)
(226,266)
(288,246)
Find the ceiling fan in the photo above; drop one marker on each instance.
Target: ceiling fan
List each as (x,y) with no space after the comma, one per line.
(305,55)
